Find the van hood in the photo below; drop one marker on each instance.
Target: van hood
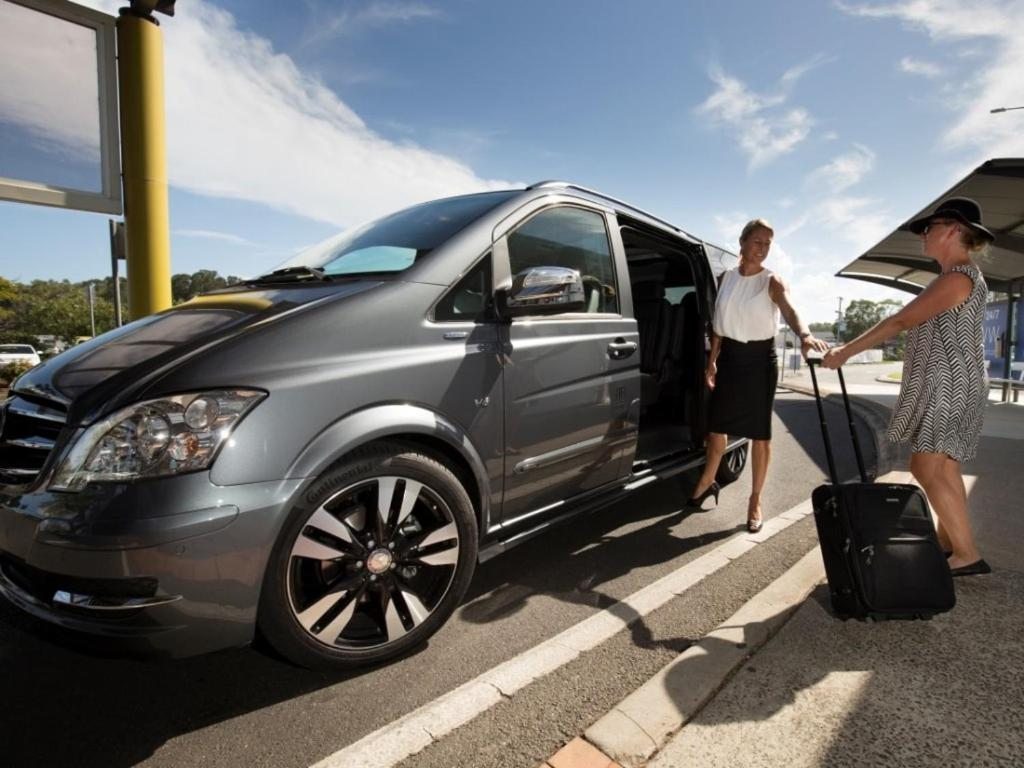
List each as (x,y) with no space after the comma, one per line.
(108,371)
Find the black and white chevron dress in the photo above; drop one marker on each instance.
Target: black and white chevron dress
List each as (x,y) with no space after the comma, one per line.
(942,399)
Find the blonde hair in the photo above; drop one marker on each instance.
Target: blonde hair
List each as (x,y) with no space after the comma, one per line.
(974,242)
(753,224)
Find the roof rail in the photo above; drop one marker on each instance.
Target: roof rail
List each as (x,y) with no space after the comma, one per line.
(550,183)
(556,184)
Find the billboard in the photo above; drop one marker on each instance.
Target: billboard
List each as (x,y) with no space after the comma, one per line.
(994,336)
(58,106)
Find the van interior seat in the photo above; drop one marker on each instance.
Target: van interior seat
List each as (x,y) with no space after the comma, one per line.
(653,317)
(683,350)
(651,310)
(684,326)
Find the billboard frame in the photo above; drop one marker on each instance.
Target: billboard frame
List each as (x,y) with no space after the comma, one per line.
(109,199)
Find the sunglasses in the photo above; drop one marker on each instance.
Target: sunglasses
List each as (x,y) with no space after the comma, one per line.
(936,222)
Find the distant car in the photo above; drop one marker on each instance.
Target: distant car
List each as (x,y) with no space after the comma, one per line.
(17,353)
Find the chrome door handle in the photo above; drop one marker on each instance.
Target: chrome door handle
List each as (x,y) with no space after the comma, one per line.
(620,348)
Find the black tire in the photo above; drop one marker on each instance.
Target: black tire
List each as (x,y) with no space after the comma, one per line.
(732,464)
(345,587)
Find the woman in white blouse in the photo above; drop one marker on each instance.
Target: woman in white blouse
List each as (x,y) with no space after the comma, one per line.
(742,368)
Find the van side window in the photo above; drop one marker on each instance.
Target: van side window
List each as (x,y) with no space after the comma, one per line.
(468,300)
(574,238)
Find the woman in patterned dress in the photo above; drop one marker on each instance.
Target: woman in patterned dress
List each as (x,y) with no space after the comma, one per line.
(944,390)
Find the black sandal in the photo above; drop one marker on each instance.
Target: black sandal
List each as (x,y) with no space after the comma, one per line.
(976,568)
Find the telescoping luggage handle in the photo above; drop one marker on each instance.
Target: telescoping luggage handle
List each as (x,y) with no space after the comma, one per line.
(813,362)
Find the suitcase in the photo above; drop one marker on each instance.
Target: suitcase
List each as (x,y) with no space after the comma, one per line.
(882,557)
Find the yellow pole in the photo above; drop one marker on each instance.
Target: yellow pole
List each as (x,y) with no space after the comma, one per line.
(140,70)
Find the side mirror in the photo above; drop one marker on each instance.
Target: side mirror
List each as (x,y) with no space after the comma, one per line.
(544,291)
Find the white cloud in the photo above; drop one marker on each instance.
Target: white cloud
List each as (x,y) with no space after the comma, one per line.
(793,74)
(728,227)
(995,80)
(764,140)
(208,234)
(333,24)
(817,295)
(858,220)
(244,122)
(919,67)
(849,225)
(812,294)
(780,262)
(40,81)
(795,226)
(763,127)
(845,170)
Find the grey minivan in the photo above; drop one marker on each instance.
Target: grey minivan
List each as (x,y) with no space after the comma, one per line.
(323,454)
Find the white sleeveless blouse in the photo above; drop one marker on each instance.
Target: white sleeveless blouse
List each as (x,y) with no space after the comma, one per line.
(744,310)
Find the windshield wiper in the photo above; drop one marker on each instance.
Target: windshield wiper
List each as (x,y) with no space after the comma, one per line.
(293,275)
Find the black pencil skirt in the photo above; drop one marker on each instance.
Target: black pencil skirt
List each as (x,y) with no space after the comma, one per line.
(741,402)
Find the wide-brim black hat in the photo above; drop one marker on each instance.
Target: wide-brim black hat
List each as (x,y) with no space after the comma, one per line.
(961,209)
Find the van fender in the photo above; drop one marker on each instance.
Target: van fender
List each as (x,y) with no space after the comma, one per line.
(382,421)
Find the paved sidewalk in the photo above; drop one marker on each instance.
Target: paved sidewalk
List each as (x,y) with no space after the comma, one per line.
(822,692)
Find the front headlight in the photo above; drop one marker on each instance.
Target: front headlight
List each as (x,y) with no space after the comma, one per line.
(155,438)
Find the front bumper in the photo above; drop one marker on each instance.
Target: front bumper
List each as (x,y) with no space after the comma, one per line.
(168,567)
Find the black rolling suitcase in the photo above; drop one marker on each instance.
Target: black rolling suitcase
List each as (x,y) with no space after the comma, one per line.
(882,558)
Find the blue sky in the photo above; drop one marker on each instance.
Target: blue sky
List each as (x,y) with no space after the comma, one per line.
(835,121)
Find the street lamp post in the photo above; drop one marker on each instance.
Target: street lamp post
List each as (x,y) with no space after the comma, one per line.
(92,307)
(1004,109)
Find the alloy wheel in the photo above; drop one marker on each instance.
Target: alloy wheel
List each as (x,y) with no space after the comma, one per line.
(372,563)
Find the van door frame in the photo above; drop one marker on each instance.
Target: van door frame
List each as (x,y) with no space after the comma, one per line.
(625,431)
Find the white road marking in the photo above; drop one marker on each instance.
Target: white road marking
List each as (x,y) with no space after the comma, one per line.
(415,731)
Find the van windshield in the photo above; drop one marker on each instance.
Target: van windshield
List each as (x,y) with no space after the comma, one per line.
(394,243)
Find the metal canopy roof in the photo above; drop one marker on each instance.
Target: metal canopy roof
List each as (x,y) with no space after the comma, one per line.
(998,187)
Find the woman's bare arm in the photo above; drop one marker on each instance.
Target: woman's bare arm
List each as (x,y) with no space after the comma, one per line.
(943,293)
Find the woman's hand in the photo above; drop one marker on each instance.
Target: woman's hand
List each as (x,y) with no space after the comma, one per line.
(835,357)
(709,375)
(811,343)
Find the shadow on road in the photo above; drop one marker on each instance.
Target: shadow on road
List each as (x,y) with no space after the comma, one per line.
(66,707)
(69,705)
(800,417)
(586,557)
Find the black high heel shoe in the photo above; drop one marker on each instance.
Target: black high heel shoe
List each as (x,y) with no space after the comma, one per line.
(696,502)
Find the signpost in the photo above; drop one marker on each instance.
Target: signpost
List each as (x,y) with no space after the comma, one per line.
(59,116)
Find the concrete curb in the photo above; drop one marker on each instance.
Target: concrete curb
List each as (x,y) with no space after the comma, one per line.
(416,730)
(644,721)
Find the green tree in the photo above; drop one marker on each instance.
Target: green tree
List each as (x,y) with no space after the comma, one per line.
(206,280)
(8,297)
(184,287)
(60,308)
(181,287)
(862,314)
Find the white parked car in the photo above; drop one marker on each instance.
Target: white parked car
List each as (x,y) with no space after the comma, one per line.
(16,353)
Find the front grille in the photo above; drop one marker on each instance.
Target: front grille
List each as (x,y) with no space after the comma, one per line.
(29,428)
